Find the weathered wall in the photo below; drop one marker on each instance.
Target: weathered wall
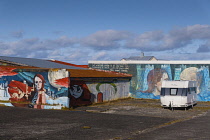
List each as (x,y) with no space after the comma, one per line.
(85,93)
(53,90)
(147,78)
(43,90)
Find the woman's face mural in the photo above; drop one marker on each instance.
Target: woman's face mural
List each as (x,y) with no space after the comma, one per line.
(192,74)
(159,83)
(38,83)
(154,80)
(189,74)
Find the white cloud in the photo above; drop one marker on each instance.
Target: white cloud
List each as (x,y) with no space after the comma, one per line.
(35,47)
(99,55)
(115,45)
(205,47)
(146,41)
(174,39)
(108,39)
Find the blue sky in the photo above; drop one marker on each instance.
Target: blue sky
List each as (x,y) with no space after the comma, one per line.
(76,31)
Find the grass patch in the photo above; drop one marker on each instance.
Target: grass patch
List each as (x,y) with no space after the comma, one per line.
(204,103)
(203,108)
(3,101)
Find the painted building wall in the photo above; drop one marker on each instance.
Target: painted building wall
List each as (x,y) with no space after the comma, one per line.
(42,90)
(147,78)
(83,92)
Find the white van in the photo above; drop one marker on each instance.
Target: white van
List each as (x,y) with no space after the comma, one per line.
(178,94)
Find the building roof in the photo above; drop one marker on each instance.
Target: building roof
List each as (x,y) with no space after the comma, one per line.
(92,73)
(69,64)
(152,62)
(141,58)
(35,63)
(76,71)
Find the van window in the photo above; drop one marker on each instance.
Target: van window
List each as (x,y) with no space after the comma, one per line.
(165,91)
(162,92)
(184,92)
(173,91)
(193,89)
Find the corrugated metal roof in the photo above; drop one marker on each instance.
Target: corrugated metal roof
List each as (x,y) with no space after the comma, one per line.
(92,73)
(36,62)
(76,72)
(70,64)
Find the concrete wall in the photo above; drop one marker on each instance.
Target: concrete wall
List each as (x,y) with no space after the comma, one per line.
(147,77)
(43,90)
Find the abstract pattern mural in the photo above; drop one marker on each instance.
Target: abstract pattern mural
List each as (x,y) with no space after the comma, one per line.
(42,90)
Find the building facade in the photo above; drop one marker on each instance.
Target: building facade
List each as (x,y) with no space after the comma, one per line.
(34,88)
(25,83)
(148,75)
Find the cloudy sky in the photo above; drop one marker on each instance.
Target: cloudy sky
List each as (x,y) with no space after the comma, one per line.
(76,31)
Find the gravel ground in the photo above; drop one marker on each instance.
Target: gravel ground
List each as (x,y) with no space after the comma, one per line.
(146,107)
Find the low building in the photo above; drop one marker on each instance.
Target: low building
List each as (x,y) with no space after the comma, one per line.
(45,84)
(140,58)
(148,75)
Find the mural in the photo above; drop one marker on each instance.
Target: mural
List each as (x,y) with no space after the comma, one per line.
(42,90)
(147,78)
(79,93)
(152,80)
(85,93)
(106,91)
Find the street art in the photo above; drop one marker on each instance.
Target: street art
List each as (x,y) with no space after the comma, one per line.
(106,91)
(147,78)
(112,84)
(79,93)
(154,81)
(100,94)
(85,93)
(42,90)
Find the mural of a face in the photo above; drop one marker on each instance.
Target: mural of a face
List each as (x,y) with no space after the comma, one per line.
(189,74)
(76,91)
(79,93)
(154,79)
(192,74)
(159,83)
(38,83)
